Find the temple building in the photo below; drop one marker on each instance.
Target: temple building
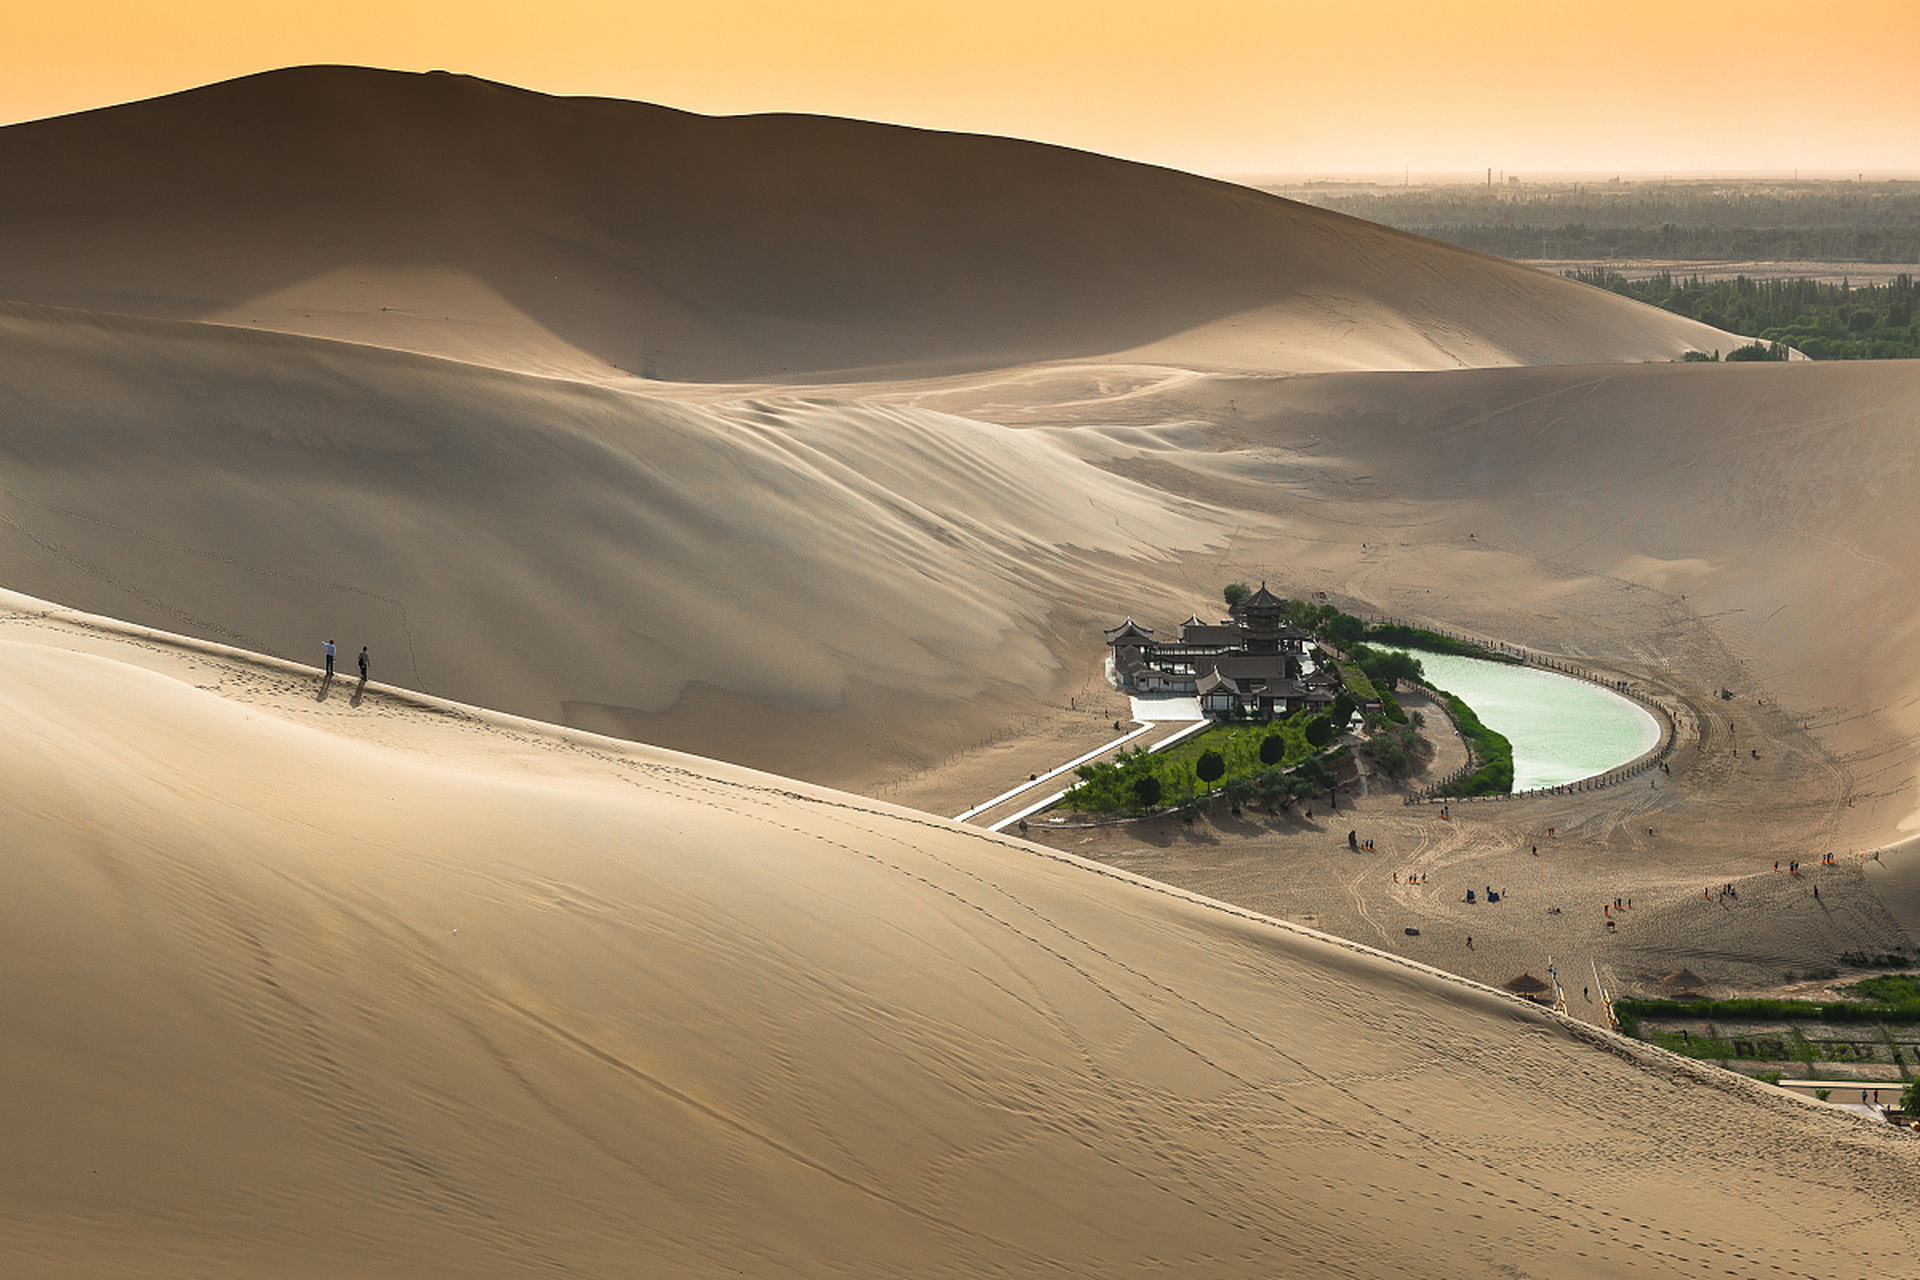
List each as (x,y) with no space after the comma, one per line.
(1254,663)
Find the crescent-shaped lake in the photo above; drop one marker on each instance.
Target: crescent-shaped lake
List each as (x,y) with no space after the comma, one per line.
(1562,729)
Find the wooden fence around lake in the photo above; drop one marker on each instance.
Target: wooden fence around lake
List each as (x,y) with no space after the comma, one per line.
(1640,764)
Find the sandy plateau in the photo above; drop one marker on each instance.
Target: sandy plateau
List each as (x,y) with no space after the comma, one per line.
(723,501)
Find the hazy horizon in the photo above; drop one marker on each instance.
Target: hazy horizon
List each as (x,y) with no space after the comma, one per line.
(1230,87)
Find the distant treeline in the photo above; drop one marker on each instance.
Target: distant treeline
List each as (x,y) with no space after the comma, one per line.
(1779,222)
(1742,244)
(1826,321)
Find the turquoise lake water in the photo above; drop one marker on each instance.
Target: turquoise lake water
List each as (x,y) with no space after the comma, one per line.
(1562,729)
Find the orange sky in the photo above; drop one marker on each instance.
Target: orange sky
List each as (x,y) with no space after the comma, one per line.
(1215,86)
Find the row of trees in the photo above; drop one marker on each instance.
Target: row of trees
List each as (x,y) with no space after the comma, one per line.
(1383,668)
(1740,244)
(1826,321)
(1813,221)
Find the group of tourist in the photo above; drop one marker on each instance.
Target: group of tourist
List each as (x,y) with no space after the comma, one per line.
(328,650)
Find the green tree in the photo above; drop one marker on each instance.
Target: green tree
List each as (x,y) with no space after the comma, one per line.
(1319,731)
(1344,629)
(1235,592)
(1210,767)
(1146,791)
(1387,668)
(1273,749)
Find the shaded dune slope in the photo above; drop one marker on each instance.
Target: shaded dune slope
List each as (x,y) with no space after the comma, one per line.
(595,237)
(328,989)
(820,587)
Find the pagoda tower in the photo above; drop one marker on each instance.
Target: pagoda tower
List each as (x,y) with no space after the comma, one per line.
(1260,615)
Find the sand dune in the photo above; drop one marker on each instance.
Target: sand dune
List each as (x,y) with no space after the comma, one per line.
(832,589)
(855,583)
(369,982)
(619,239)
(370,986)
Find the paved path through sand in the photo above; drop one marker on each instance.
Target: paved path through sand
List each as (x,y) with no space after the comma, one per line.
(1039,793)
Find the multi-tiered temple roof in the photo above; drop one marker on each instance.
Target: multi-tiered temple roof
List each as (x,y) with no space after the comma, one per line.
(1250,662)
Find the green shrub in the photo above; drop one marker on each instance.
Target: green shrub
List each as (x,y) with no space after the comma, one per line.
(1867,960)
(1273,749)
(1390,748)
(1495,774)
(1319,731)
(1762,1010)
(1146,791)
(1896,989)
(1356,682)
(1433,642)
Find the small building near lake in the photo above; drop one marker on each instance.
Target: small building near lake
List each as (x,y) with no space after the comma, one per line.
(1253,663)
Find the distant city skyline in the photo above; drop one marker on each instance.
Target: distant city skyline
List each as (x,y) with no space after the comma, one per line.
(1282,87)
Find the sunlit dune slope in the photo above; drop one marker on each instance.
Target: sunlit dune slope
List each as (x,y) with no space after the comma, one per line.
(366,986)
(450,215)
(830,589)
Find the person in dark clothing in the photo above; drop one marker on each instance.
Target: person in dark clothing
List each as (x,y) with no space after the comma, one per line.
(363,664)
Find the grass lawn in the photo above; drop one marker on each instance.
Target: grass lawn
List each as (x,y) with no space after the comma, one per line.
(1109,786)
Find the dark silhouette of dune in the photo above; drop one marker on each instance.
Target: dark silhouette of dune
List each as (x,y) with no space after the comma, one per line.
(609,236)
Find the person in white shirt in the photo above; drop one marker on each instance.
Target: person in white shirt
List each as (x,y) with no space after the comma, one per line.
(329,659)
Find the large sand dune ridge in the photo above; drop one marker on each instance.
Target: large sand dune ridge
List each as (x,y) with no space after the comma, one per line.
(607,239)
(372,985)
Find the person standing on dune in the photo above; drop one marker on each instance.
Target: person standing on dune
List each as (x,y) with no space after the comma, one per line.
(363,664)
(329,647)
